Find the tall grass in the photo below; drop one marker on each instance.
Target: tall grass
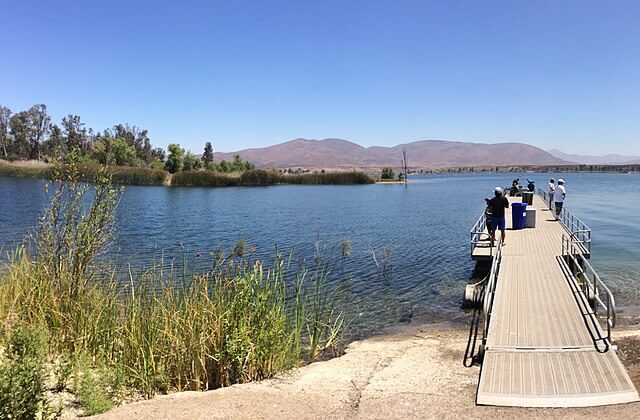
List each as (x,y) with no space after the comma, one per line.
(121,175)
(23,170)
(261,177)
(204,179)
(328,178)
(158,329)
(124,175)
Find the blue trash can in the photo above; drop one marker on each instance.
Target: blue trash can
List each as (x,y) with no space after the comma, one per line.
(518,215)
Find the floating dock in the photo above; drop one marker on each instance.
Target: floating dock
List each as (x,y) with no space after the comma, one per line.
(547,318)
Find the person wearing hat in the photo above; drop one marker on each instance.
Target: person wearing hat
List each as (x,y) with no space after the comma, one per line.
(496,206)
(559,195)
(552,190)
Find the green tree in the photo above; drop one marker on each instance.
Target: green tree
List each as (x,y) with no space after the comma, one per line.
(29,130)
(224,166)
(20,134)
(175,159)
(156,163)
(55,145)
(39,124)
(237,164)
(190,162)
(113,151)
(75,133)
(207,156)
(158,154)
(5,139)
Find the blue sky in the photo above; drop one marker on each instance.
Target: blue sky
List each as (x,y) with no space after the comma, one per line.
(560,74)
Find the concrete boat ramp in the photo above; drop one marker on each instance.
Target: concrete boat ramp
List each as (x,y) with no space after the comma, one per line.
(547,318)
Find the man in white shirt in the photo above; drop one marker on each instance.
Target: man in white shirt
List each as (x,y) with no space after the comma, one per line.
(559,195)
(552,190)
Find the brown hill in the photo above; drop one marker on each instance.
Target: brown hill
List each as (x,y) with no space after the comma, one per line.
(337,153)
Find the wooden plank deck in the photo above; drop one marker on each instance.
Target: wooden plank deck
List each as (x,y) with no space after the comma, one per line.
(541,348)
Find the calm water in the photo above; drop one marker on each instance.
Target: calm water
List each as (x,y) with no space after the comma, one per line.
(409,244)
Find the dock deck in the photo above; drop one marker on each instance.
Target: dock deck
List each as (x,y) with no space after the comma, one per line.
(544,345)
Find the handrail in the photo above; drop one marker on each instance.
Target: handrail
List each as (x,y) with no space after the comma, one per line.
(580,232)
(478,233)
(591,285)
(489,291)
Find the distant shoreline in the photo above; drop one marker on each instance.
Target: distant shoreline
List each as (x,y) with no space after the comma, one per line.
(195,178)
(268,177)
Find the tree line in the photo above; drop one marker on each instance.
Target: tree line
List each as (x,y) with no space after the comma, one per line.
(31,135)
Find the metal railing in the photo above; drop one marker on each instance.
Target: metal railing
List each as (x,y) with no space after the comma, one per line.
(489,291)
(479,232)
(579,231)
(596,292)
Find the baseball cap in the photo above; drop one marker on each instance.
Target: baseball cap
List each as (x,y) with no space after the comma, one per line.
(498,190)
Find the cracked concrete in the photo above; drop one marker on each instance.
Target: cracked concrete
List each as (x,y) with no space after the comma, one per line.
(417,374)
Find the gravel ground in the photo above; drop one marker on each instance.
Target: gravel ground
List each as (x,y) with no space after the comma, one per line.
(416,373)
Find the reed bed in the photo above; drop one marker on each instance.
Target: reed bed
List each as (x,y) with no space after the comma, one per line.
(328,178)
(159,329)
(24,170)
(204,179)
(261,177)
(121,175)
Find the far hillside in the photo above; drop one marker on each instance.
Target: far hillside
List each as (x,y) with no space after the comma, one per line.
(343,154)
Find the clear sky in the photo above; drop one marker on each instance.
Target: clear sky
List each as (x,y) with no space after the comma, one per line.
(243,74)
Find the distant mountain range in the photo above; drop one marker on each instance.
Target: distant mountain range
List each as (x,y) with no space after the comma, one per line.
(343,154)
(611,159)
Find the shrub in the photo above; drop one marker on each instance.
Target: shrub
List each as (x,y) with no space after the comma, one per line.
(92,391)
(22,376)
(387,173)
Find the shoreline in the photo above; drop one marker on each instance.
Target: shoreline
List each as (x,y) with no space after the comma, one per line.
(415,373)
(143,176)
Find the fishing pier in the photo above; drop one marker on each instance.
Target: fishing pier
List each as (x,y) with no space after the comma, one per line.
(546,317)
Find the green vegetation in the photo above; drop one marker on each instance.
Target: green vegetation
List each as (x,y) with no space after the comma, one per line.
(260,177)
(88,172)
(103,334)
(328,178)
(207,155)
(22,375)
(175,160)
(238,165)
(31,146)
(25,170)
(387,174)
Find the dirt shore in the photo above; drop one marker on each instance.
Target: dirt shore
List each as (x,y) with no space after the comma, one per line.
(417,373)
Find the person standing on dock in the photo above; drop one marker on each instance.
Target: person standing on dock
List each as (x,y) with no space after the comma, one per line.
(552,190)
(497,205)
(559,195)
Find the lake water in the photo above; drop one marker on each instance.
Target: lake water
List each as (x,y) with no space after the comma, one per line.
(409,244)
